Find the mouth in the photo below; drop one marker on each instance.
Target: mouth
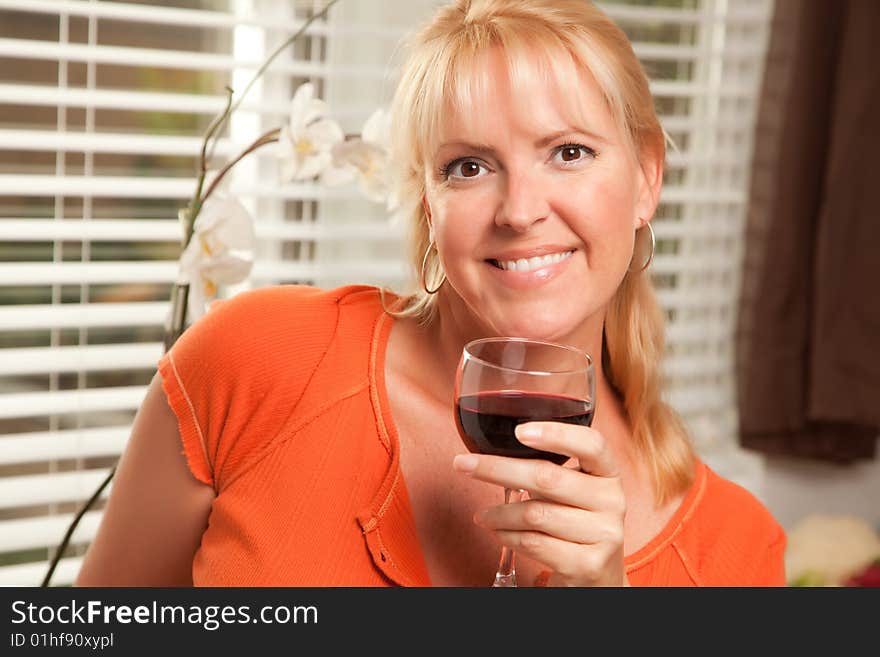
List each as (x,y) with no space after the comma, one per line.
(531,264)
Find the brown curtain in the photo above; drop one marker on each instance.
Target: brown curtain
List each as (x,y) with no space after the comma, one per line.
(808,339)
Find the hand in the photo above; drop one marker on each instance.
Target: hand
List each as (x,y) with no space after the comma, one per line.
(573,520)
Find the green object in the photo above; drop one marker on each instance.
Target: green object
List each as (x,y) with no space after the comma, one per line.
(809,578)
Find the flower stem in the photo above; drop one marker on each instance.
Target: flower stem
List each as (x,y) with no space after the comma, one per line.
(214,130)
(262,140)
(195,203)
(269,60)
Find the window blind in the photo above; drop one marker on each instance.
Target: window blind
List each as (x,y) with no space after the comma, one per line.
(102,108)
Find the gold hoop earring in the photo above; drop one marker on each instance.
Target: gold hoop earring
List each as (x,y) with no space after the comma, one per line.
(650,255)
(422,273)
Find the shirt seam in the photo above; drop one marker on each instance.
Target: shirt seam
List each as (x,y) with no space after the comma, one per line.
(195,417)
(271,448)
(675,532)
(379,411)
(691,571)
(314,415)
(373,377)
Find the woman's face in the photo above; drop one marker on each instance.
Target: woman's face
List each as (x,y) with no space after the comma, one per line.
(533,217)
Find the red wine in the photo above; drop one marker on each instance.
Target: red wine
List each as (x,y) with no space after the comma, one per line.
(486,421)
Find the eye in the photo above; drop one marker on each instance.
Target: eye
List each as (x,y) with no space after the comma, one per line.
(462,168)
(572,153)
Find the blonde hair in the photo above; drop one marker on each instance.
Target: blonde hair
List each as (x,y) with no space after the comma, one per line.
(552,39)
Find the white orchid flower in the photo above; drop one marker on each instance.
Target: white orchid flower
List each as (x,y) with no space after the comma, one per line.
(220,251)
(369,157)
(308,138)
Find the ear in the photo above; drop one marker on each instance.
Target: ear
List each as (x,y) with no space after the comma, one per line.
(650,181)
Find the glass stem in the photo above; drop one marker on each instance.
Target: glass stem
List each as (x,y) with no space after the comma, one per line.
(506,575)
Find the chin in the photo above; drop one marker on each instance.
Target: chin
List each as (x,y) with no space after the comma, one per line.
(550,327)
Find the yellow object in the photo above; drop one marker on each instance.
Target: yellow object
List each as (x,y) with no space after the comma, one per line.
(825,549)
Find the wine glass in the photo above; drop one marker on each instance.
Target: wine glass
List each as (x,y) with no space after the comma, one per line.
(504,382)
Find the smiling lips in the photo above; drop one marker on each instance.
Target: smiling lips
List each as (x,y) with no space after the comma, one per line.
(527,269)
(533,263)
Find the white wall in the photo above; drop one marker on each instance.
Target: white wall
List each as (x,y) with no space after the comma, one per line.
(793,488)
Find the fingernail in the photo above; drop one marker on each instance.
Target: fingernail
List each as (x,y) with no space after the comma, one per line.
(465,462)
(528,433)
(479,518)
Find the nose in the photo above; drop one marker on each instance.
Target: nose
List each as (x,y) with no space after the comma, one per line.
(525,201)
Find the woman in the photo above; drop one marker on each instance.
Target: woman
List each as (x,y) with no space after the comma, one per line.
(317,425)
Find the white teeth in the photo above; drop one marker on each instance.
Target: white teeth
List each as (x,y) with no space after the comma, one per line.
(533,263)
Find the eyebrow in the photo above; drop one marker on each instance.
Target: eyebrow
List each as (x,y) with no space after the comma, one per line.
(540,143)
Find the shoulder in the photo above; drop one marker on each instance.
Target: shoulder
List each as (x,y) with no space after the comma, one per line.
(729,503)
(303,305)
(280,331)
(269,317)
(730,537)
(251,360)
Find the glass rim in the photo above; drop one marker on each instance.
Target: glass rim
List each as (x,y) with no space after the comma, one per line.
(575,350)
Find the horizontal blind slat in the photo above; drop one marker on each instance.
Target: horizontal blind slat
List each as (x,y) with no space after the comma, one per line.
(30,533)
(142,101)
(169,230)
(155,187)
(29,49)
(92,142)
(639,14)
(76,358)
(701,331)
(73,315)
(66,444)
(708,296)
(54,402)
(32,574)
(96,186)
(49,273)
(697,399)
(31,490)
(353,270)
(197,18)
(703,365)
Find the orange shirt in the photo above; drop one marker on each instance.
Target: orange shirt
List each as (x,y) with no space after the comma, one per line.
(281,402)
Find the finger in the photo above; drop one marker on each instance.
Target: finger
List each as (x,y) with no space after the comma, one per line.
(544,480)
(563,522)
(585,444)
(573,562)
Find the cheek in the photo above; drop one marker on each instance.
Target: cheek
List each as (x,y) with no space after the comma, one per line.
(617,200)
(603,215)
(461,221)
